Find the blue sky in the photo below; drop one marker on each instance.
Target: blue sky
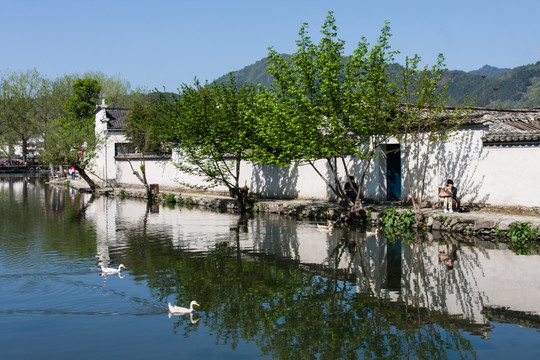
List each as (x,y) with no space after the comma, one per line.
(164,43)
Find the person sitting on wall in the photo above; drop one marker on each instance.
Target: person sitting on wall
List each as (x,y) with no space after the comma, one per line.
(351,191)
(449,195)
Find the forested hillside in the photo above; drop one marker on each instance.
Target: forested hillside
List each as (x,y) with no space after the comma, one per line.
(490,86)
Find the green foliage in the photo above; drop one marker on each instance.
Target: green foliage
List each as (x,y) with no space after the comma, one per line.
(180,200)
(213,126)
(517,88)
(330,104)
(323,105)
(82,103)
(170,199)
(67,136)
(399,224)
(522,238)
(24,108)
(141,128)
(72,140)
(114,89)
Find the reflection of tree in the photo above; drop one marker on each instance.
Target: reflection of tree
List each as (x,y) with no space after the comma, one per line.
(288,312)
(435,285)
(70,239)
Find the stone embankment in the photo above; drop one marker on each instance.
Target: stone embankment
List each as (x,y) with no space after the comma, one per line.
(477,222)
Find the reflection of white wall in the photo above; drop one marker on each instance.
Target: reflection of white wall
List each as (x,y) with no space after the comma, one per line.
(103,213)
(194,230)
(371,267)
(19,185)
(480,278)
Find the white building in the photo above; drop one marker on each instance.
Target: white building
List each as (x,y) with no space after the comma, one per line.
(493,159)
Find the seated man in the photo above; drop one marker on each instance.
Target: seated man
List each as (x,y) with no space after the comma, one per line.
(351,191)
(449,196)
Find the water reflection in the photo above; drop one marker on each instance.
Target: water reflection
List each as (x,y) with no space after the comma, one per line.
(455,280)
(280,283)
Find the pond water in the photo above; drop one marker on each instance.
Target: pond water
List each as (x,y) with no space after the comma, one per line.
(268,286)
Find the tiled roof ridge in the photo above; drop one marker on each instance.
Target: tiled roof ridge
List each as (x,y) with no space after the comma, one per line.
(116,117)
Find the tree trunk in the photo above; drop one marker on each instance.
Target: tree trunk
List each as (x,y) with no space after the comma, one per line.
(24,149)
(242,195)
(86,178)
(61,172)
(51,169)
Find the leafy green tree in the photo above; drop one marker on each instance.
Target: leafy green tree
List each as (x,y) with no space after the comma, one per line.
(72,140)
(423,119)
(213,126)
(23,114)
(326,106)
(141,130)
(114,89)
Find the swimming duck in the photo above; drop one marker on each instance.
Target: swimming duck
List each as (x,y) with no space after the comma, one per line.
(182,310)
(106,270)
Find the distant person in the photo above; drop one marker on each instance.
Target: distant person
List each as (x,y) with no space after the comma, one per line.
(449,196)
(351,191)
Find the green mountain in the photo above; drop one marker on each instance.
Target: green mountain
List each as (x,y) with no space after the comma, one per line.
(489,71)
(489,86)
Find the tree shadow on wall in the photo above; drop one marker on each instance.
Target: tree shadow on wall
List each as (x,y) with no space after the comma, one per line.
(461,165)
(375,183)
(353,167)
(271,181)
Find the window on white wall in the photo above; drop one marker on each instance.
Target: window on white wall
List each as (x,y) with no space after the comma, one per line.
(123,148)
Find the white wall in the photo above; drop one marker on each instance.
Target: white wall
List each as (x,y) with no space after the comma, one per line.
(504,176)
(489,175)
(492,176)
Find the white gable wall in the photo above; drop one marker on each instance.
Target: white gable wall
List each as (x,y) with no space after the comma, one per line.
(104,167)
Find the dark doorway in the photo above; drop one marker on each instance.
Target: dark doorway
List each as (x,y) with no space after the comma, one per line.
(393,172)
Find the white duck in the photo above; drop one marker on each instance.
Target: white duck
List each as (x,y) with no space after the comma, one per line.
(182,310)
(106,270)
(326,228)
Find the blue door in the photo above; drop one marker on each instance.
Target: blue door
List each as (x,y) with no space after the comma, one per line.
(393,172)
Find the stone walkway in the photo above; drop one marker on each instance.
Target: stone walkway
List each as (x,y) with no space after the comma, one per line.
(486,219)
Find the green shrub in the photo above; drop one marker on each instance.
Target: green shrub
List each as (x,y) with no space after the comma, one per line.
(398,224)
(170,199)
(522,238)
(401,220)
(180,200)
(122,194)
